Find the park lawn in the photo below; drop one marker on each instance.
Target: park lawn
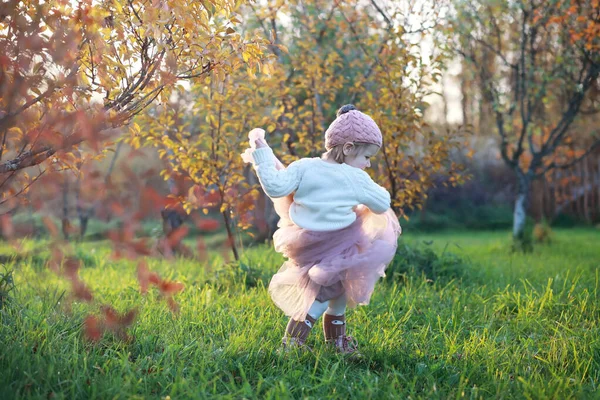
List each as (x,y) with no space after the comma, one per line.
(497,325)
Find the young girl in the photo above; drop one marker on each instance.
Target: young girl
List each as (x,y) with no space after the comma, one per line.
(336,230)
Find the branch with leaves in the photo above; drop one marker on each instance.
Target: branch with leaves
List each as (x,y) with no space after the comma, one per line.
(76,73)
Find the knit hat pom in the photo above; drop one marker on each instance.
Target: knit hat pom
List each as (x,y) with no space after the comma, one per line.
(345,109)
(352,125)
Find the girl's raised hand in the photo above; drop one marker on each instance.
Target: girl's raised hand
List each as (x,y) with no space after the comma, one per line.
(260,143)
(256,139)
(255,135)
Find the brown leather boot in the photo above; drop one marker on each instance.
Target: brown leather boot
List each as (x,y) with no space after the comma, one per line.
(334,329)
(334,326)
(296,332)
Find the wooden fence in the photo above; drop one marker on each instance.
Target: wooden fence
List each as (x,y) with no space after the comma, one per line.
(574,191)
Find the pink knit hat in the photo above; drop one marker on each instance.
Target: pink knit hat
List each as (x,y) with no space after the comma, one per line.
(352,125)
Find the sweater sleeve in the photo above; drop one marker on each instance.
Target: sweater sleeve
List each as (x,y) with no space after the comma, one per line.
(276,183)
(371,194)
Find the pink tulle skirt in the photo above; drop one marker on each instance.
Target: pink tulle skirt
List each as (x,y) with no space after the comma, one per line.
(323,265)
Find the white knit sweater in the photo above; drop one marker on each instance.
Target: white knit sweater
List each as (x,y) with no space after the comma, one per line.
(325,193)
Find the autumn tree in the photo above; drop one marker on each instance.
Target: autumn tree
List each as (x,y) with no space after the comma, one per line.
(74,72)
(324,56)
(202,133)
(367,53)
(531,57)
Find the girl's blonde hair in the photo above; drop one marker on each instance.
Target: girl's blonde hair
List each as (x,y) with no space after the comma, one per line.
(337,152)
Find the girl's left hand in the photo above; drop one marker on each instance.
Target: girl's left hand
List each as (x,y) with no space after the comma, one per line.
(260,143)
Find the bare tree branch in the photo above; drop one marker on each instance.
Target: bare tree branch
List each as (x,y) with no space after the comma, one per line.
(7,119)
(22,189)
(557,134)
(382,13)
(376,60)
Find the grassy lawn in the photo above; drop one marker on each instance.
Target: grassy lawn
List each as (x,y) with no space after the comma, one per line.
(495,325)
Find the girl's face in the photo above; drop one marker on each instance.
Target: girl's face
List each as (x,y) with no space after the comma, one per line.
(361,157)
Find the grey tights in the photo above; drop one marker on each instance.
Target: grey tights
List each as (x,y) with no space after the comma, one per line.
(335,307)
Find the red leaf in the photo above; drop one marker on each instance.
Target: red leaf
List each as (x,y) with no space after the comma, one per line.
(71,268)
(55,259)
(155,279)
(173,306)
(93,328)
(147,277)
(81,291)
(140,247)
(115,321)
(168,289)
(177,235)
(111,317)
(95,174)
(52,228)
(8,229)
(172,203)
(143,275)
(117,208)
(113,235)
(213,197)
(201,247)
(208,224)
(133,180)
(128,318)
(151,201)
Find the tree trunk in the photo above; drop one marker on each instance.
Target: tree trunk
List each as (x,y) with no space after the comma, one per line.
(66,228)
(230,234)
(83,213)
(172,219)
(521,205)
(266,218)
(464,102)
(444,102)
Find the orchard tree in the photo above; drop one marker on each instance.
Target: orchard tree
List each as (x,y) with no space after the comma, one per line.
(369,54)
(325,55)
(202,138)
(544,56)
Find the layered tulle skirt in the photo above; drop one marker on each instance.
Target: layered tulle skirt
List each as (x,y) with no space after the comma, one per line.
(323,265)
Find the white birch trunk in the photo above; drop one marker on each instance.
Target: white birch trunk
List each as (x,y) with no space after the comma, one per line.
(521,204)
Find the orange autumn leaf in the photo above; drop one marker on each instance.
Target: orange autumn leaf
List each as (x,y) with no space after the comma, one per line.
(201,247)
(115,321)
(168,289)
(140,247)
(146,277)
(208,224)
(143,275)
(93,328)
(71,268)
(177,235)
(155,279)
(55,259)
(52,228)
(117,208)
(173,306)
(8,229)
(81,291)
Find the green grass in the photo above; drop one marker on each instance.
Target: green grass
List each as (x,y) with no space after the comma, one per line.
(495,325)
